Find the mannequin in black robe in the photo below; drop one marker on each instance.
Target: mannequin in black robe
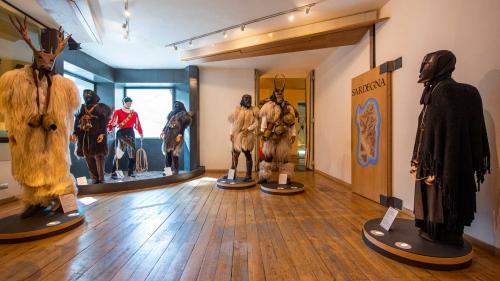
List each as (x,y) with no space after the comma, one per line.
(451,153)
(90,134)
(172,135)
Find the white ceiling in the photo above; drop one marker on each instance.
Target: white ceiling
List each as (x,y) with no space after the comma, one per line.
(155,23)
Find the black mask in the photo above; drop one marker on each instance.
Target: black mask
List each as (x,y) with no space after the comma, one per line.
(90,97)
(246,101)
(437,66)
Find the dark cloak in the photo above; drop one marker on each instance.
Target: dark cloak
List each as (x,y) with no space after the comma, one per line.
(454,149)
(87,139)
(177,122)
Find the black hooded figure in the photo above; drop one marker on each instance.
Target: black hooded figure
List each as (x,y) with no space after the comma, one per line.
(451,153)
(90,133)
(172,134)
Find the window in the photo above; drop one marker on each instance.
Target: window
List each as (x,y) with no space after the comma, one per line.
(80,84)
(153,106)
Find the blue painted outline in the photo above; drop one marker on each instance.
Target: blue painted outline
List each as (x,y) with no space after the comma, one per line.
(360,109)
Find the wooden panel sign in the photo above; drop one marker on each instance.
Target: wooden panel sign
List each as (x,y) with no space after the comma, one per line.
(371,134)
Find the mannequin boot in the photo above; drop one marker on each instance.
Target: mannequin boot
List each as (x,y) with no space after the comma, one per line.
(248,176)
(131,167)
(175,170)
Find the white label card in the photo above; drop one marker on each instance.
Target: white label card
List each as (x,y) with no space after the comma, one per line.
(168,171)
(230,174)
(283,178)
(68,202)
(119,173)
(81,181)
(389,218)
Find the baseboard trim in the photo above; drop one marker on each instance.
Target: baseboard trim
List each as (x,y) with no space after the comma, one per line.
(332,178)
(216,170)
(8,200)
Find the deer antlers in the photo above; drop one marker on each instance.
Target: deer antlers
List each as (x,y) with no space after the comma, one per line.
(22,28)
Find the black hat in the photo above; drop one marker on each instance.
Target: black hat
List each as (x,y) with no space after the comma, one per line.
(127,99)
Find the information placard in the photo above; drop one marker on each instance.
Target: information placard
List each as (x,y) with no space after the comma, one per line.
(389,218)
(283,178)
(81,181)
(230,174)
(68,202)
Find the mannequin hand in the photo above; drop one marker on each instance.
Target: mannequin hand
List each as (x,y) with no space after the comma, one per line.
(232,138)
(292,139)
(142,136)
(162,135)
(100,138)
(72,138)
(178,138)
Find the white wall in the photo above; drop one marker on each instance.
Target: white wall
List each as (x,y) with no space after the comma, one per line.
(220,92)
(332,107)
(415,28)
(470,29)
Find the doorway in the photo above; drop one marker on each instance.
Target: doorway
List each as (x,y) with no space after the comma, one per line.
(299,93)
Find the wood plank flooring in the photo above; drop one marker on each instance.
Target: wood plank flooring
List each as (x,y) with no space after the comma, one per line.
(195,231)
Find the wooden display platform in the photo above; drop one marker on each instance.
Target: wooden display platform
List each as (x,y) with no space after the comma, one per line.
(402,243)
(142,180)
(14,229)
(282,189)
(237,183)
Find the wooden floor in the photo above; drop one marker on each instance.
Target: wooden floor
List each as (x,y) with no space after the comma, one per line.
(195,231)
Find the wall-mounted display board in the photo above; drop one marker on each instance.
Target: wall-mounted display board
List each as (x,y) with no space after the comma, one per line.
(371,135)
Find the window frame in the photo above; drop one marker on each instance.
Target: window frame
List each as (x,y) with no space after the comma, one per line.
(171,88)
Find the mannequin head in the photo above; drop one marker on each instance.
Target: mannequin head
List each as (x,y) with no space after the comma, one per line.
(90,97)
(127,102)
(436,66)
(246,101)
(279,91)
(179,106)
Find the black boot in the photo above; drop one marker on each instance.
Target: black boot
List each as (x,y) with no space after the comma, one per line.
(32,210)
(131,167)
(248,176)
(175,168)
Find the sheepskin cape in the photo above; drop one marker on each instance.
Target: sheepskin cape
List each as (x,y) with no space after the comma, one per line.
(244,118)
(40,158)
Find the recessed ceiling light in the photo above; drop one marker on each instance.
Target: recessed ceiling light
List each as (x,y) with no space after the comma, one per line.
(242,27)
(224,34)
(291,17)
(127,13)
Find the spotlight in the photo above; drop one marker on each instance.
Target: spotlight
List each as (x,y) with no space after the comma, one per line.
(308,9)
(224,34)
(190,42)
(124,26)
(127,13)
(291,17)
(242,27)
(175,47)
(125,35)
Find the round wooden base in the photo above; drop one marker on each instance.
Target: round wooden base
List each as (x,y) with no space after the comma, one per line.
(402,243)
(14,229)
(237,183)
(282,189)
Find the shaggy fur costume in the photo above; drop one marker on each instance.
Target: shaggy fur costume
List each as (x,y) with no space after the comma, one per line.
(40,158)
(244,118)
(277,150)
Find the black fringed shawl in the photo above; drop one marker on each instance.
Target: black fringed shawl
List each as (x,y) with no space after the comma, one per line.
(454,148)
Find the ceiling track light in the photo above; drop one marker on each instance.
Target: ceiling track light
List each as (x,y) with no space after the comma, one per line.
(126,25)
(175,47)
(242,26)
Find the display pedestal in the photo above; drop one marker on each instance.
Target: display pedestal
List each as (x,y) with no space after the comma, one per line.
(14,229)
(237,183)
(403,243)
(282,189)
(140,181)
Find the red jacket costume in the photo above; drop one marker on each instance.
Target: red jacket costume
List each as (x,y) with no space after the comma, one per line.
(119,115)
